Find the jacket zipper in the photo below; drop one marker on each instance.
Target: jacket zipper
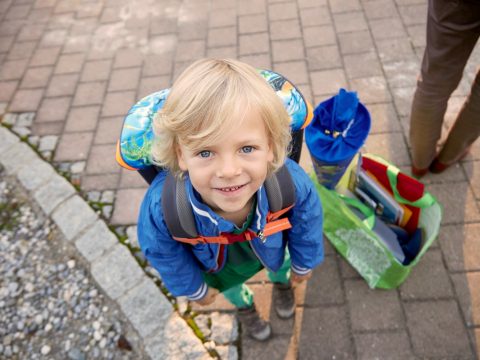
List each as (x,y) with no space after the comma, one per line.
(217,265)
(259,233)
(262,238)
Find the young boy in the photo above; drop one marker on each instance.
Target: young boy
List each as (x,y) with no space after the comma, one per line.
(224,130)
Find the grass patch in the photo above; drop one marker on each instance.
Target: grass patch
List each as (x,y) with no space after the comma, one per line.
(9,215)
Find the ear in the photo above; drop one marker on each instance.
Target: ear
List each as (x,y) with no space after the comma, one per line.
(270,155)
(180,158)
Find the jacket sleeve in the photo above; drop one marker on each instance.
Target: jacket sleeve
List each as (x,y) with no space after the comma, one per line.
(305,242)
(174,260)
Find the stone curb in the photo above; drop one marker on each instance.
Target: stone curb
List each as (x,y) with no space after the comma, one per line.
(163,332)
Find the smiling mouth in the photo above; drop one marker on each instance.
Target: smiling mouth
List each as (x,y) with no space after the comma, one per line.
(230,189)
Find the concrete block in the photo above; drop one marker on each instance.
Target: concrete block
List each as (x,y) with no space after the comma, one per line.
(323,58)
(414,14)
(395,50)
(459,206)
(390,146)
(372,89)
(403,100)
(379,9)
(227,352)
(288,50)
(225,36)
(460,247)
(252,24)
(117,271)
(222,18)
(322,288)
(278,347)
(7,140)
(467,286)
(73,216)
(282,11)
(319,36)
(314,16)
(391,345)
(355,42)
(373,309)
(167,344)
(362,65)
(37,173)
(428,279)
(295,71)
(146,307)
(350,21)
(387,28)
(340,6)
(437,330)
(384,118)
(224,328)
(127,206)
(18,156)
(96,241)
(251,43)
(472,169)
(325,333)
(328,82)
(49,195)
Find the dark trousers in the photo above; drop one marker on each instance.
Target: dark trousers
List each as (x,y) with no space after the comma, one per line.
(453,28)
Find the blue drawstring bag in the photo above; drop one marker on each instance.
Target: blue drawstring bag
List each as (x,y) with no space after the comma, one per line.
(338,130)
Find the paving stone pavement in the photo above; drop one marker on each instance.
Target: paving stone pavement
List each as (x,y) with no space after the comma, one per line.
(70,70)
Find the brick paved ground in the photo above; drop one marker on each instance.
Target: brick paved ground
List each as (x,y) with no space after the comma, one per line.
(78,66)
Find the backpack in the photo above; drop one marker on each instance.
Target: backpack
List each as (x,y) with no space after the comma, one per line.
(134,148)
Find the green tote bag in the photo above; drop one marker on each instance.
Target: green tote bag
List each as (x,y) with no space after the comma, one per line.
(355,240)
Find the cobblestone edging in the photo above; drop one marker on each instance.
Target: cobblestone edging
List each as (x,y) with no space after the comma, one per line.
(165,334)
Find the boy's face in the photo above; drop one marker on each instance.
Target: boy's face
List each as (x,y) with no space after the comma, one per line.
(227,174)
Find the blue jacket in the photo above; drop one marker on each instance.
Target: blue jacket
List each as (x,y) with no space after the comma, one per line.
(181,265)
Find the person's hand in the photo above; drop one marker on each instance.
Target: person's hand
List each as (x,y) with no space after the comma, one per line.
(209,298)
(297,279)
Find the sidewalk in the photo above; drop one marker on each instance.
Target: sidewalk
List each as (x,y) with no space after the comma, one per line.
(71,69)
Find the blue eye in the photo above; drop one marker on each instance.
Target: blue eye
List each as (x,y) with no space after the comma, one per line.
(204,154)
(247,149)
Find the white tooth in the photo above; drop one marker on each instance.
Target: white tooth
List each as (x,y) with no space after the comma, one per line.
(231,188)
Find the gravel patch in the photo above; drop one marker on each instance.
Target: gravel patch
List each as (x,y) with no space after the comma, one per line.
(49,305)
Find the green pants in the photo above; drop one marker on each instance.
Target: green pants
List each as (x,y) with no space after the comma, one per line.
(242,296)
(241,264)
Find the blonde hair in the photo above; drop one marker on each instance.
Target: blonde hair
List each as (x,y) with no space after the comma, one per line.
(199,108)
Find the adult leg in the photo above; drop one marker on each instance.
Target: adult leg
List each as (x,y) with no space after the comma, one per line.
(466,128)
(450,40)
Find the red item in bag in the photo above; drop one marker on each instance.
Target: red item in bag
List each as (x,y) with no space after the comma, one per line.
(409,188)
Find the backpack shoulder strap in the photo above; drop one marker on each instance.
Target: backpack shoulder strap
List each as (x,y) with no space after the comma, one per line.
(280,190)
(177,210)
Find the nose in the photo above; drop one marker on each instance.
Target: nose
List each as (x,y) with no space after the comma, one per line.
(228,167)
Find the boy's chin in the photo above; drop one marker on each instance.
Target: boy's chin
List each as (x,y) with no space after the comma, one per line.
(229,209)
(226,208)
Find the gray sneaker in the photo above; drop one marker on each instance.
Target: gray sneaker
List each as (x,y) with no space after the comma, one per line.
(253,324)
(284,300)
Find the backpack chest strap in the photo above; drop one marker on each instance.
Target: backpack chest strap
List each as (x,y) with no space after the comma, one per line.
(272,227)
